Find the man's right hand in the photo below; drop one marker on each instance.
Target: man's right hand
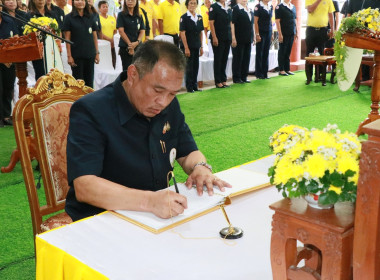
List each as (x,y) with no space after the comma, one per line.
(166,204)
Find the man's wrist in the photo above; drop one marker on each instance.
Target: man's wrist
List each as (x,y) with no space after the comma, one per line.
(202,163)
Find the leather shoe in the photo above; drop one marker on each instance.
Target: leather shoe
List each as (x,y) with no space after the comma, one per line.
(197,90)
(8,122)
(283,74)
(238,82)
(289,73)
(219,86)
(226,86)
(267,78)
(246,81)
(307,82)
(190,91)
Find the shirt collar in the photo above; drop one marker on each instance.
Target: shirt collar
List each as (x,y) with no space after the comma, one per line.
(241,7)
(223,7)
(265,7)
(290,5)
(194,18)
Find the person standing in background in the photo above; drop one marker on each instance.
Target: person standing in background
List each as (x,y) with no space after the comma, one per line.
(168,19)
(204,13)
(155,29)
(80,28)
(64,6)
(108,24)
(11,9)
(191,28)
(220,27)
(263,33)
(7,72)
(286,21)
(131,29)
(148,8)
(330,42)
(242,39)
(37,8)
(320,14)
(57,11)
(357,5)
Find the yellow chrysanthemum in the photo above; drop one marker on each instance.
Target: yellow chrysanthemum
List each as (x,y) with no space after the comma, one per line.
(315,165)
(347,162)
(335,189)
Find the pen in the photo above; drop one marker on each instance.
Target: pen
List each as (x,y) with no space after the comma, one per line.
(175,185)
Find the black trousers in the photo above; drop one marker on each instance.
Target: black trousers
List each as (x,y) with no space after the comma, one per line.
(39,68)
(84,70)
(126,58)
(7,82)
(284,53)
(240,61)
(192,66)
(220,61)
(315,38)
(262,55)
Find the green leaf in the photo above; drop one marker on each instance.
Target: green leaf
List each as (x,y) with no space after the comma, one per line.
(349,173)
(271,171)
(330,197)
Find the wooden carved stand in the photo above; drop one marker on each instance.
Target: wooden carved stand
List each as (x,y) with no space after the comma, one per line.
(19,50)
(365,41)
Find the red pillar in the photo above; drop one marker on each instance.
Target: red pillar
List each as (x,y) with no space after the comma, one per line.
(295,56)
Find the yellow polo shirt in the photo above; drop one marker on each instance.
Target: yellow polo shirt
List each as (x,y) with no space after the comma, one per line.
(170,15)
(108,25)
(320,16)
(204,14)
(155,15)
(148,7)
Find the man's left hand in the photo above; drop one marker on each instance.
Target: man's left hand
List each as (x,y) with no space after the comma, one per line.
(202,176)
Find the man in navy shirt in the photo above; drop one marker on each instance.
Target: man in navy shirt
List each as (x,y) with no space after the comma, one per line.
(123,140)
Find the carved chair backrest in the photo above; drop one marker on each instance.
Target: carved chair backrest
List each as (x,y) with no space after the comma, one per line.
(46,108)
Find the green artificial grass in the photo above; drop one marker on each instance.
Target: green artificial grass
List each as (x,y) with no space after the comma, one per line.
(231,126)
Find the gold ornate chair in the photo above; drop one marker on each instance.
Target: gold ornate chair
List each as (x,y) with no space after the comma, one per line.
(46,109)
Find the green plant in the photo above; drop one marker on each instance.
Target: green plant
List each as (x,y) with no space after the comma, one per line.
(320,162)
(368,19)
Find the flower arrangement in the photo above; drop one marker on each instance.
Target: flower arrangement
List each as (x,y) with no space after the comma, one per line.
(363,20)
(47,23)
(324,163)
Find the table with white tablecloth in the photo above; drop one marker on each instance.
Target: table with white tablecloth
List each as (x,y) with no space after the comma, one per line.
(107,247)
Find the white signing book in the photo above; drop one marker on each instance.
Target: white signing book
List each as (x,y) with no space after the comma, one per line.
(242,181)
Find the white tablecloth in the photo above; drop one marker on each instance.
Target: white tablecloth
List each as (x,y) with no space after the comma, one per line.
(120,250)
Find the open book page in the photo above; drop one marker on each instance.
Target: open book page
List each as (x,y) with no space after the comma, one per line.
(242,180)
(196,205)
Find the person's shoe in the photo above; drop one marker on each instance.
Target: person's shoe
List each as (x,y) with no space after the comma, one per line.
(267,78)
(190,91)
(217,86)
(1,123)
(307,82)
(8,122)
(283,74)
(260,78)
(289,73)
(246,81)
(225,86)
(238,82)
(323,84)
(197,90)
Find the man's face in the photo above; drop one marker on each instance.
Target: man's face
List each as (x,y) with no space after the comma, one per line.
(155,91)
(103,9)
(61,3)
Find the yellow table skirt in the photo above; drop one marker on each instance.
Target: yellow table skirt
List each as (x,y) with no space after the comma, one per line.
(54,263)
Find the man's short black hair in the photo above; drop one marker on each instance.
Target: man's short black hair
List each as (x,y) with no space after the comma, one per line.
(101,3)
(149,53)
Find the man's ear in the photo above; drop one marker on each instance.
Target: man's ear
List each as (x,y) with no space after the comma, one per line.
(133,75)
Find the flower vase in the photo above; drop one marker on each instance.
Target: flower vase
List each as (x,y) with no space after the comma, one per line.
(312,201)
